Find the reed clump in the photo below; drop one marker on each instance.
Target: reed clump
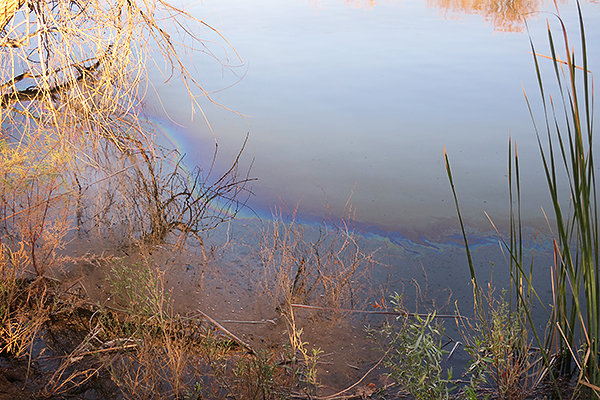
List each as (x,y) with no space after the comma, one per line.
(569,349)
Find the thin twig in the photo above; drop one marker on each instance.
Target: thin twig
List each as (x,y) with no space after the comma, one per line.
(376,312)
(231,335)
(232,321)
(357,382)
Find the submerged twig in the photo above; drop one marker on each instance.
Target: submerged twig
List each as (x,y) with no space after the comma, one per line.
(376,312)
(231,335)
(340,394)
(232,321)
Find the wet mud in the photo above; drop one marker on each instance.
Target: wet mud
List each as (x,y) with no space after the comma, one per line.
(226,283)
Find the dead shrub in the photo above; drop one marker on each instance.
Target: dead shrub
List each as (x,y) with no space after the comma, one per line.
(322,266)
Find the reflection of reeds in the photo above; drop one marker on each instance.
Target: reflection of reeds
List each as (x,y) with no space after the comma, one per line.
(505,15)
(368,4)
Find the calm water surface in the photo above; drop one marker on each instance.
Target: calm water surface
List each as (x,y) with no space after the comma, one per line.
(356,97)
(359,97)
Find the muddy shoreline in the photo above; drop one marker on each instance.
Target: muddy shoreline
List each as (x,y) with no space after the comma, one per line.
(231,289)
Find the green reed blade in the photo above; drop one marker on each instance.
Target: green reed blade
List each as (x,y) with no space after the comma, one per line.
(462,227)
(576,277)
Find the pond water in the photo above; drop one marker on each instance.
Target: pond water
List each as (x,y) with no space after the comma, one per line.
(360,97)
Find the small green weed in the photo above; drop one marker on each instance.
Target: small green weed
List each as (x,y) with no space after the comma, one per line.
(259,376)
(139,289)
(499,348)
(416,354)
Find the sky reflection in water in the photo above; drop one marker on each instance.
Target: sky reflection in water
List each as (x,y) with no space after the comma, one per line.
(359,97)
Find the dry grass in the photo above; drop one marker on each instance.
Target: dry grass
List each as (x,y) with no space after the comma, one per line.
(75,149)
(151,353)
(322,266)
(34,220)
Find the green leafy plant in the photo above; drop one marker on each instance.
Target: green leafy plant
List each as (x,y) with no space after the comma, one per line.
(139,289)
(498,344)
(415,354)
(503,326)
